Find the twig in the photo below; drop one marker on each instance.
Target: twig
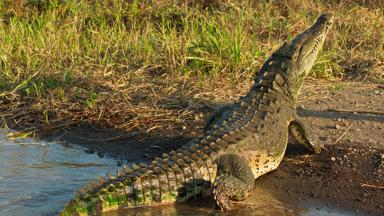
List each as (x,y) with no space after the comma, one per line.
(118,137)
(342,135)
(371,186)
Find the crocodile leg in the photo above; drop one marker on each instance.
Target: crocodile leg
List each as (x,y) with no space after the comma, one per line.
(303,134)
(234,180)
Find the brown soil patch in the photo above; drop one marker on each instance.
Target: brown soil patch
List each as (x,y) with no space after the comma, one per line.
(350,178)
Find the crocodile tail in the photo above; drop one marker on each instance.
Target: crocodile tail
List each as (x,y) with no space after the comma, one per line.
(130,188)
(99,196)
(173,178)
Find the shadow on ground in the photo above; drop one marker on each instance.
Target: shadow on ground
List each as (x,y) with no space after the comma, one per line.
(340,114)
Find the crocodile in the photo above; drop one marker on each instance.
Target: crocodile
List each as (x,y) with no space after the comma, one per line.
(242,141)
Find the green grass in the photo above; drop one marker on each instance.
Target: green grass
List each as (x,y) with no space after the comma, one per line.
(78,51)
(48,38)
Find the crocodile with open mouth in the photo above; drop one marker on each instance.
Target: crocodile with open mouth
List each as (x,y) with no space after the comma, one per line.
(242,141)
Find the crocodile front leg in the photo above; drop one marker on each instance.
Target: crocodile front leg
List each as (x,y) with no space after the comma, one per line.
(234,180)
(302,133)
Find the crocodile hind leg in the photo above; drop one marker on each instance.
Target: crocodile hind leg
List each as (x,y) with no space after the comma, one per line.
(303,134)
(234,180)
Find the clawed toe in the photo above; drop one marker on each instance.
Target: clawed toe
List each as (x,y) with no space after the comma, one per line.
(222,201)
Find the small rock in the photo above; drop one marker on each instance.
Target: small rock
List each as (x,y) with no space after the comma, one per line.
(337,127)
(333,159)
(376,92)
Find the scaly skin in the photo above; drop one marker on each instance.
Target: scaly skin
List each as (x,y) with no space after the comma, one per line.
(242,141)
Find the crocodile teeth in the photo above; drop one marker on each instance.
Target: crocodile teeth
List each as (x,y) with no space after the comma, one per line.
(142,165)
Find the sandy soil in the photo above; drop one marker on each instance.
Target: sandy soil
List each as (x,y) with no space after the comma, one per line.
(348,118)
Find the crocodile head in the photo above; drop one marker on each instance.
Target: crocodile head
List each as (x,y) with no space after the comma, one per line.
(301,53)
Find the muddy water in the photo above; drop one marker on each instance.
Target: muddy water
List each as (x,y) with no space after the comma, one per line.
(262,202)
(38,178)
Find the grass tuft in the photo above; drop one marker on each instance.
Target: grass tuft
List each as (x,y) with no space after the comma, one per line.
(127,63)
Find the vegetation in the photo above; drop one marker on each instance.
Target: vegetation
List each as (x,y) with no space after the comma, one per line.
(145,65)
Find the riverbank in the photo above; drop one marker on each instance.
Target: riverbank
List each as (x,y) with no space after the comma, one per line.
(348,117)
(131,80)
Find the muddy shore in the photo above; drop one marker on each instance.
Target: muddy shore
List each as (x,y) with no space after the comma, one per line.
(348,120)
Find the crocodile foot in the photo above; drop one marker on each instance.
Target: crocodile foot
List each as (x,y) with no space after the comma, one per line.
(221,197)
(234,180)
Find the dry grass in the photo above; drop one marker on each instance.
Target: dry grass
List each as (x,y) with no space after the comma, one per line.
(147,67)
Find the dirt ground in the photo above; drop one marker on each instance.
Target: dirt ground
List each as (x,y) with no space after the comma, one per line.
(348,117)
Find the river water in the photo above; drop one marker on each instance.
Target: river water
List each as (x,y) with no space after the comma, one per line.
(38,178)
